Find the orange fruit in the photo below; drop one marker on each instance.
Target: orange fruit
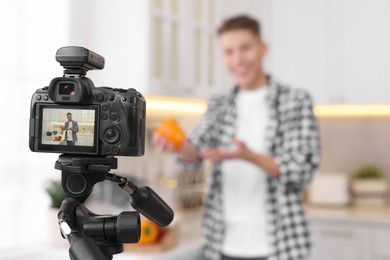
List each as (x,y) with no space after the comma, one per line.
(149,232)
(170,130)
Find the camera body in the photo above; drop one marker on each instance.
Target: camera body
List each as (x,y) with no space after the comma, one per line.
(73,116)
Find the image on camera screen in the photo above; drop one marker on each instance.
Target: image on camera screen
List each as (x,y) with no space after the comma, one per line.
(68,127)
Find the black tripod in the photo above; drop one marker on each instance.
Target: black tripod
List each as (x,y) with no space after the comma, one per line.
(98,237)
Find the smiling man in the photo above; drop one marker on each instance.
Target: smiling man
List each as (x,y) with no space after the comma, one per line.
(263,140)
(71,128)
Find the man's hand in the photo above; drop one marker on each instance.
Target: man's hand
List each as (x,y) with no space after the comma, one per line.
(239,151)
(187,152)
(163,144)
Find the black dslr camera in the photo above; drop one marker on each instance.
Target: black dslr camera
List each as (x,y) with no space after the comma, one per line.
(73,116)
(90,126)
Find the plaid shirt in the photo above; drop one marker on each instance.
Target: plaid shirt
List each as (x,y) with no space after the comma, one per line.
(292,139)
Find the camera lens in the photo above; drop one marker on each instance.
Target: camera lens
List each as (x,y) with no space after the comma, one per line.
(66,88)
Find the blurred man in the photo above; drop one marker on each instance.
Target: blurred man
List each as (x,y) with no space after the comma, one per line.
(71,128)
(263,140)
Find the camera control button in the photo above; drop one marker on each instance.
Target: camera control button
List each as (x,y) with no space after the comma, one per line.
(114,117)
(106,149)
(114,149)
(105,108)
(105,116)
(46,97)
(99,97)
(124,99)
(132,100)
(111,97)
(39,97)
(111,134)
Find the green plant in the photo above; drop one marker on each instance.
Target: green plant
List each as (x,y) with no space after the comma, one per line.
(56,193)
(368,171)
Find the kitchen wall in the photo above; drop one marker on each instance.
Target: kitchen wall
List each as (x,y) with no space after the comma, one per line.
(348,143)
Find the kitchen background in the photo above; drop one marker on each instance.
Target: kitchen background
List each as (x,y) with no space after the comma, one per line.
(167,49)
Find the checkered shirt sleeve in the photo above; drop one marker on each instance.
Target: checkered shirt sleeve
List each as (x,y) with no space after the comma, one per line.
(297,153)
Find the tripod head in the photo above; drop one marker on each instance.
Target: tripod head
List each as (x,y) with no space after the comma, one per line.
(98,237)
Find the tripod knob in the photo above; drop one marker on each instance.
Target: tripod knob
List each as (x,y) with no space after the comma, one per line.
(128,227)
(124,228)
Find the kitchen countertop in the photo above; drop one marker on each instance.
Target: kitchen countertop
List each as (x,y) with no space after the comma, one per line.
(374,214)
(184,250)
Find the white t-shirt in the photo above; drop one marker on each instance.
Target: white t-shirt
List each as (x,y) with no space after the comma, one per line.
(69,135)
(245,184)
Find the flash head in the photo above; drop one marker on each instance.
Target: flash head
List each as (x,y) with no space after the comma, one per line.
(77,58)
(74,87)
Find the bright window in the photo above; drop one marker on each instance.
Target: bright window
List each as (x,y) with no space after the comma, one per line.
(31,31)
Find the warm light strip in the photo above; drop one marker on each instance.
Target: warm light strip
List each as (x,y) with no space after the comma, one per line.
(352,111)
(197,107)
(175,105)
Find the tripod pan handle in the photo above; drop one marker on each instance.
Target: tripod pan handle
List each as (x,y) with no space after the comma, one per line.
(149,204)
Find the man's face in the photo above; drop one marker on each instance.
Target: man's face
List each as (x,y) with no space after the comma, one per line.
(69,116)
(243,53)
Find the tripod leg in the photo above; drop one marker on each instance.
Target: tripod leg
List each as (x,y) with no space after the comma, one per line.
(81,247)
(84,248)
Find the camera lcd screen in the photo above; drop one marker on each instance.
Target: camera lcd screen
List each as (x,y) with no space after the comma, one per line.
(68,129)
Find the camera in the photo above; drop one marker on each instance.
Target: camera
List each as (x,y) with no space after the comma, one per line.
(90,126)
(72,116)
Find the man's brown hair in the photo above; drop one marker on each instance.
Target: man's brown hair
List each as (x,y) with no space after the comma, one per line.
(240,22)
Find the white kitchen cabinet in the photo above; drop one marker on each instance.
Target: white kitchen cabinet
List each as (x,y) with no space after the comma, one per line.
(350,233)
(381,258)
(159,47)
(337,49)
(381,243)
(183,47)
(340,241)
